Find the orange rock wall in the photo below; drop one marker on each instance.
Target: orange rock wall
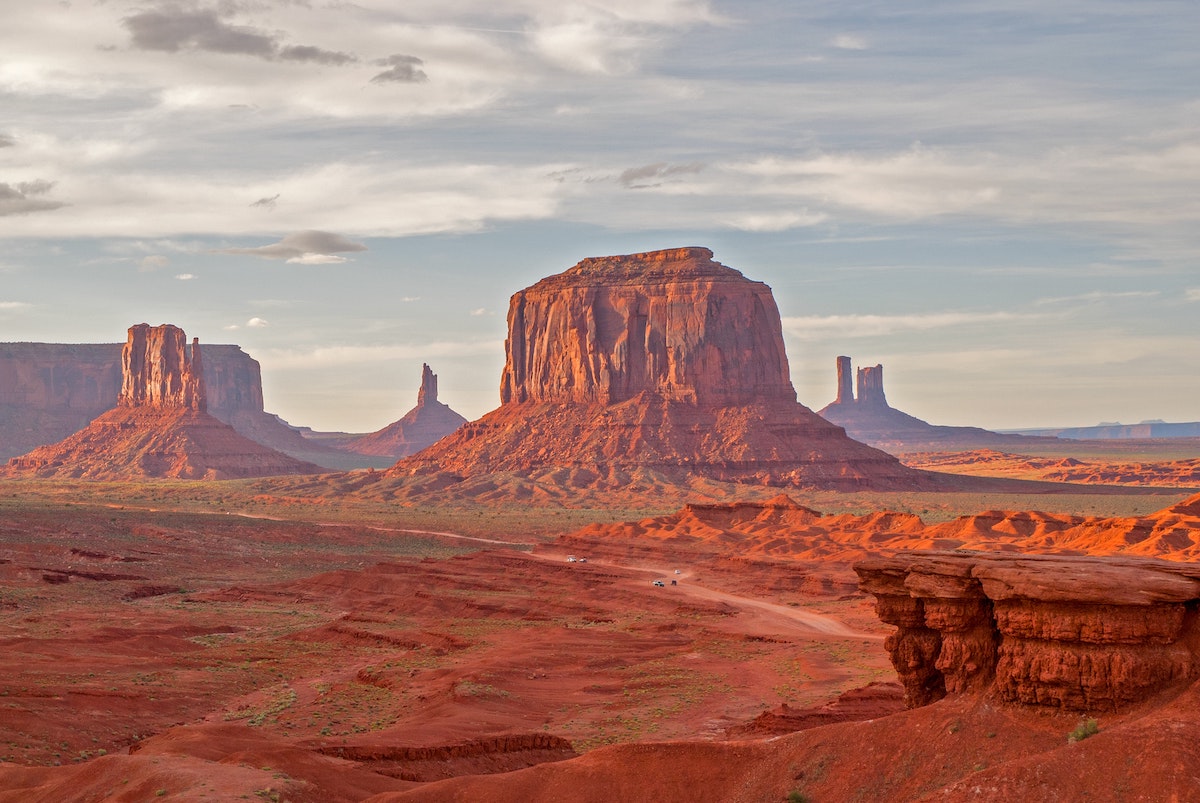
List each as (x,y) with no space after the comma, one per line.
(674,323)
(1080,633)
(50,390)
(159,369)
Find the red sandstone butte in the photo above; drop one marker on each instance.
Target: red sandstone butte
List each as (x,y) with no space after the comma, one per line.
(160,426)
(667,361)
(423,425)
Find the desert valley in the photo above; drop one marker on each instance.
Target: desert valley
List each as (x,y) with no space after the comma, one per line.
(650,574)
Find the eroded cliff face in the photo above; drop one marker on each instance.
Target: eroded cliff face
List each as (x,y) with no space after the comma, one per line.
(674,323)
(160,427)
(667,361)
(160,370)
(1078,633)
(51,390)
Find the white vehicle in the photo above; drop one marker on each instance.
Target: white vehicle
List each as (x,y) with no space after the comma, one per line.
(660,584)
(572,559)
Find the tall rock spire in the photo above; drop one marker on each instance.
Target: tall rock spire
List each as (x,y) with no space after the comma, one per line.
(428,392)
(160,370)
(845,381)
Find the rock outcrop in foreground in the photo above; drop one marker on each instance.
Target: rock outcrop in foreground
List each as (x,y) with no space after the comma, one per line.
(1077,633)
(870,419)
(422,426)
(666,361)
(160,426)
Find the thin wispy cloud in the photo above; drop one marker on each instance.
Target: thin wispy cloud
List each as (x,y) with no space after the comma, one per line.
(1099,295)
(849,41)
(305,248)
(815,327)
(267,202)
(315,358)
(653,175)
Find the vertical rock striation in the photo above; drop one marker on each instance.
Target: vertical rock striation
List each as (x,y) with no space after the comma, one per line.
(870,386)
(1078,633)
(666,360)
(673,323)
(159,369)
(845,381)
(160,426)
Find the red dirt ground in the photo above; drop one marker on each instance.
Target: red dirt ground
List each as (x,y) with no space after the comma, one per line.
(216,657)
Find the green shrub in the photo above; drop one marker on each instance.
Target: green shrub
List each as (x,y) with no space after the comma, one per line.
(1085,729)
(796,796)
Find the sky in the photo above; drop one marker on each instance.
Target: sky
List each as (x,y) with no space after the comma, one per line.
(999,201)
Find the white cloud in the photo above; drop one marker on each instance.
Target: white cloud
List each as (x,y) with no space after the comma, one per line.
(849,41)
(1099,295)
(13,306)
(776,221)
(257,323)
(317,259)
(337,356)
(816,327)
(481,311)
(1192,294)
(309,247)
(185,277)
(435,198)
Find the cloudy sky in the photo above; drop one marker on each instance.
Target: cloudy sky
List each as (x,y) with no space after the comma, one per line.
(999,200)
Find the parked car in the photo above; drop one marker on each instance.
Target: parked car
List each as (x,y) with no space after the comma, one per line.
(660,584)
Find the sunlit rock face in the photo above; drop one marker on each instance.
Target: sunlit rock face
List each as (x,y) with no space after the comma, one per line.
(664,360)
(672,323)
(160,426)
(1079,633)
(160,369)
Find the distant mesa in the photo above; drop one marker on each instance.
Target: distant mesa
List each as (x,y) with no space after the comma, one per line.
(49,391)
(665,361)
(422,426)
(870,419)
(160,426)
(1112,430)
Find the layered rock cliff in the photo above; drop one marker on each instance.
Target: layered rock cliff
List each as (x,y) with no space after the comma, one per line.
(422,426)
(665,360)
(49,391)
(1077,633)
(870,419)
(671,323)
(159,427)
(160,370)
